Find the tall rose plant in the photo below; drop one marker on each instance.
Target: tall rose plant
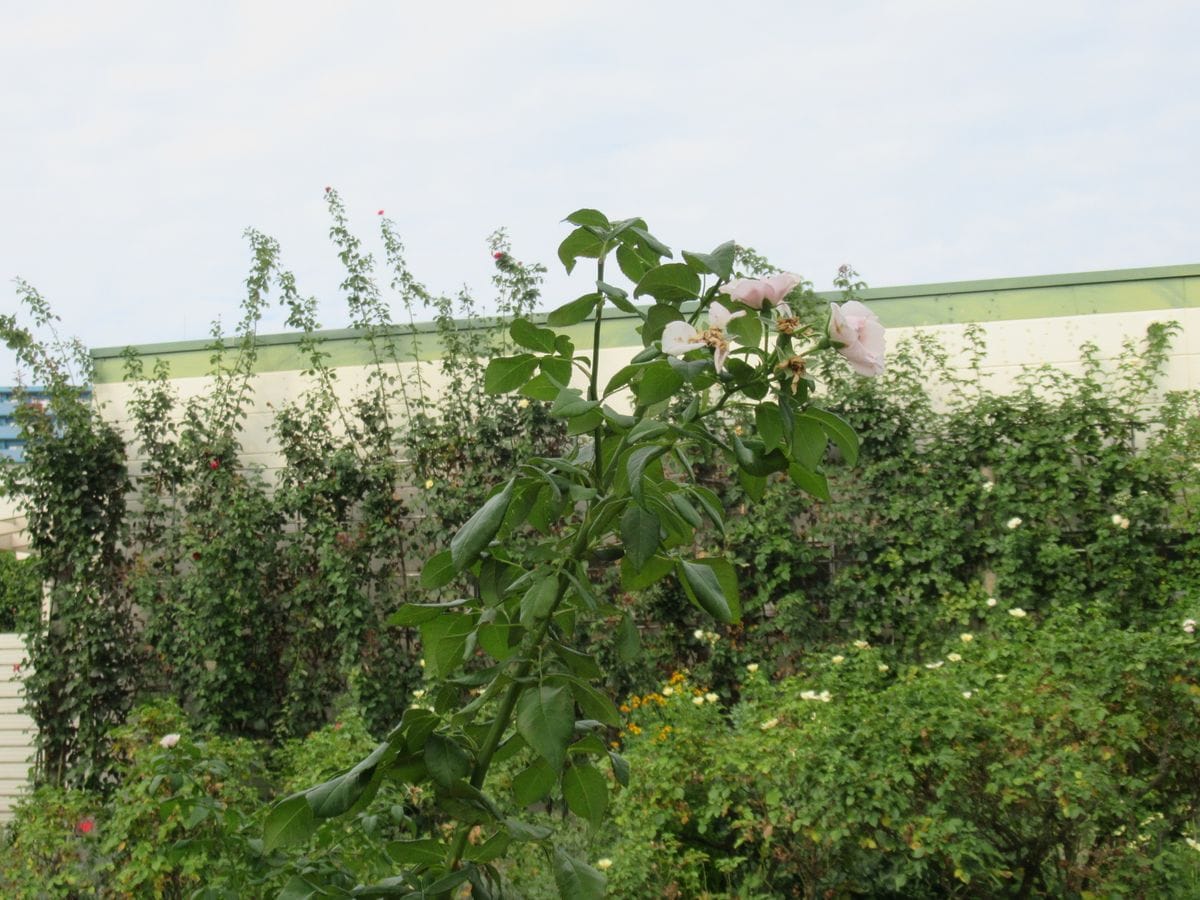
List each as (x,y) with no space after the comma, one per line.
(505,680)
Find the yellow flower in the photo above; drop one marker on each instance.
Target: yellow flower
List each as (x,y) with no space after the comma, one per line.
(711,697)
(966,637)
(699,701)
(428,483)
(604,864)
(752,668)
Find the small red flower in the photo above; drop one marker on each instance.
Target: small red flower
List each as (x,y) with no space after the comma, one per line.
(498,255)
(214,464)
(328,189)
(380,213)
(87,826)
(16,667)
(196,555)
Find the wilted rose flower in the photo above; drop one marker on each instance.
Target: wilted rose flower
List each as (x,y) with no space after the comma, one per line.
(754,291)
(860,333)
(169,740)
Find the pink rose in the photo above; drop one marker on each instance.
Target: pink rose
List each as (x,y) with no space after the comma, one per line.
(860,333)
(753,291)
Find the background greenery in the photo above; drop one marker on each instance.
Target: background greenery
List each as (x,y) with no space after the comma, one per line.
(251,618)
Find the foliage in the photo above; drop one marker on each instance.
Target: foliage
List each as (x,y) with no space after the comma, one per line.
(1053,757)
(20,592)
(51,848)
(73,483)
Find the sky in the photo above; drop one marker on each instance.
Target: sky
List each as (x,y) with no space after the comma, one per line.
(920,141)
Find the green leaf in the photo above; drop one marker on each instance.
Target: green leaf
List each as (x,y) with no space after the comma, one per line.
(658,317)
(538,600)
(629,641)
(592,217)
(424,852)
(570,403)
(479,530)
(659,382)
(638,578)
(523,831)
(493,848)
(594,704)
(669,283)
(532,784)
(586,793)
(531,336)
(719,262)
(618,298)
(557,368)
(649,241)
(444,640)
(507,373)
(581,664)
(632,264)
(839,432)
(300,888)
(289,823)
(439,571)
(635,469)
(577,880)
(640,530)
(753,485)
(415,613)
(580,242)
(574,312)
(546,719)
(746,330)
(447,761)
(704,589)
(813,483)
(808,442)
(620,767)
(711,504)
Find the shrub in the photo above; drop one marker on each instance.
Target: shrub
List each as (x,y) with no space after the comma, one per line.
(1057,757)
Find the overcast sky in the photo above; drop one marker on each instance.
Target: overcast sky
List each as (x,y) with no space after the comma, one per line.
(932,140)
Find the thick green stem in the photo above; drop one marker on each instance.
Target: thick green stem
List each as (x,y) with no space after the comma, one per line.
(534,639)
(593,383)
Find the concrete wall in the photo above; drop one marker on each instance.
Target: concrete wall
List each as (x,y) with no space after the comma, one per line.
(1026,322)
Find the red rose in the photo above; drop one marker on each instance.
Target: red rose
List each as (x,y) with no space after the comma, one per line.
(214,464)
(86,826)
(498,255)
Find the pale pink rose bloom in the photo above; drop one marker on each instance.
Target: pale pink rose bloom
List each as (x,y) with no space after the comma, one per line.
(679,337)
(860,333)
(755,291)
(720,317)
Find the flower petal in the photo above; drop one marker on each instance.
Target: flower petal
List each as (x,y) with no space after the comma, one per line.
(719,316)
(678,338)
